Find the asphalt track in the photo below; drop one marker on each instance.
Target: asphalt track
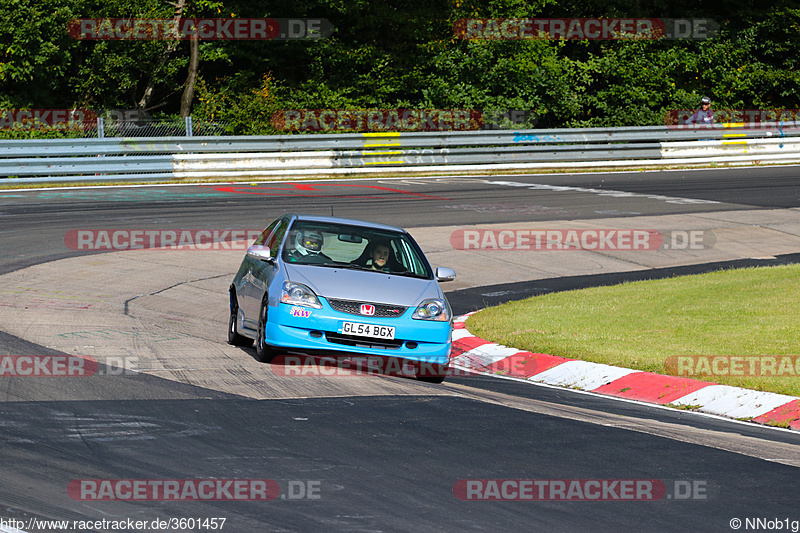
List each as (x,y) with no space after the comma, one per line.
(385,453)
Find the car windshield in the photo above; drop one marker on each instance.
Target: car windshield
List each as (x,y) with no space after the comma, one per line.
(328,244)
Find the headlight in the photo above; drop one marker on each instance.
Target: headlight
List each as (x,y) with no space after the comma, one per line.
(433,309)
(299,294)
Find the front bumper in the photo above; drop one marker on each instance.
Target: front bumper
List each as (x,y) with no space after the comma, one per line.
(304,329)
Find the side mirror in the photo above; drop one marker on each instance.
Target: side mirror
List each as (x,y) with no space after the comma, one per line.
(445,274)
(260,252)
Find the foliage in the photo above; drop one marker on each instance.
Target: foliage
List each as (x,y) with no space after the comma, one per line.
(404,54)
(244,110)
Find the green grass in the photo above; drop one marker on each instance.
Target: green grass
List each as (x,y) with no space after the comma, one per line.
(639,325)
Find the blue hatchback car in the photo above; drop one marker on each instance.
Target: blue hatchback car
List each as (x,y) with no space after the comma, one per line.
(335,286)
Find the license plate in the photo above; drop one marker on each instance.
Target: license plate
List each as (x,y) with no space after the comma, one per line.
(368,330)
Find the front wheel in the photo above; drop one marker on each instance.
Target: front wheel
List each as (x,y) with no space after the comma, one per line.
(264,352)
(436,376)
(233,336)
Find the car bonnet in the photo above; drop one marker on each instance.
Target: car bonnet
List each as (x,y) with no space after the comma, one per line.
(359,285)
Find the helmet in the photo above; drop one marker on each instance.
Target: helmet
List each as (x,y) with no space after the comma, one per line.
(705,100)
(309,242)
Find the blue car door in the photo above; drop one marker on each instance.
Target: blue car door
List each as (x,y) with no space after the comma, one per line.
(259,273)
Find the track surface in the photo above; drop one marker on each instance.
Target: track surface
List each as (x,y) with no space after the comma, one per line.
(385,452)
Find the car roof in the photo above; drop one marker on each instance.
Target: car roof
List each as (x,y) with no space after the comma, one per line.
(349,221)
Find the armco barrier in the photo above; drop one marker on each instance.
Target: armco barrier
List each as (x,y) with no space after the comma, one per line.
(291,156)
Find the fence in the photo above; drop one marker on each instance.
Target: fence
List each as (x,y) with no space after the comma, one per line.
(156,128)
(292,156)
(119,125)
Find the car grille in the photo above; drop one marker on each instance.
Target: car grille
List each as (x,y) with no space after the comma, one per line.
(354,308)
(362,342)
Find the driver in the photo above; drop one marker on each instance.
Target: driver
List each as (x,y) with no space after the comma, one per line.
(308,247)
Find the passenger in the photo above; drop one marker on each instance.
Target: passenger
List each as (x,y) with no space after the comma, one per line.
(379,256)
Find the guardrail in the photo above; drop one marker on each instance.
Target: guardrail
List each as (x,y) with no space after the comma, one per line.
(291,156)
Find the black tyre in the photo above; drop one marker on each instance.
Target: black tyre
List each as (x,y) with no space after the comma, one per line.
(437,376)
(264,352)
(233,336)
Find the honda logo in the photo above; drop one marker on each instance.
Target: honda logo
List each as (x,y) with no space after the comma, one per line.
(367,309)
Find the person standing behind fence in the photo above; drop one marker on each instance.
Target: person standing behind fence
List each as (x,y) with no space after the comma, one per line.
(703,116)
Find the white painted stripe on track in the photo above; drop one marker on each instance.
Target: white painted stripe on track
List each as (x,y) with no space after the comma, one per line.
(461,333)
(581,374)
(483,176)
(485,355)
(715,400)
(657,406)
(734,401)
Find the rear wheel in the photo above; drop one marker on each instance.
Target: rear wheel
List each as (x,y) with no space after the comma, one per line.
(264,352)
(233,336)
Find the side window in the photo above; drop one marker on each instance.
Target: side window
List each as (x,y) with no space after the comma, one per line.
(398,254)
(264,234)
(411,260)
(275,239)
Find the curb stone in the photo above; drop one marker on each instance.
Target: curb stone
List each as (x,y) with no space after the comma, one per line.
(481,356)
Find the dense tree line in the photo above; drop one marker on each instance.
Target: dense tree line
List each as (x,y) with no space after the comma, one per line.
(401,54)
